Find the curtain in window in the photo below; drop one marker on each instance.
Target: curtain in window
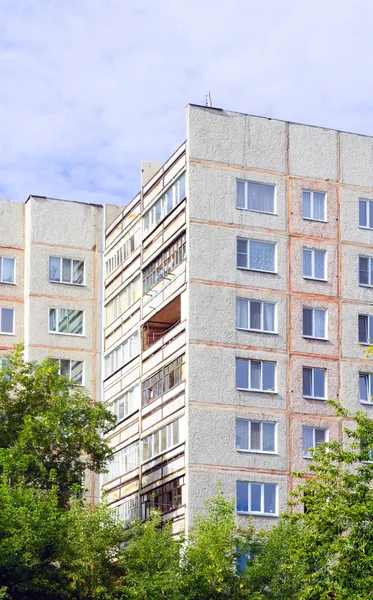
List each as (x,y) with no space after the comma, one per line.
(255,436)
(242,435)
(240,194)
(268,316)
(261,197)
(306,202)
(65,368)
(319,383)
(6,315)
(262,256)
(268,437)
(66,270)
(54,268)
(255,312)
(256,495)
(52,319)
(255,379)
(307,440)
(320,436)
(319,323)
(319,264)
(269,498)
(268,376)
(242,378)
(242,314)
(307,263)
(319,206)
(8,270)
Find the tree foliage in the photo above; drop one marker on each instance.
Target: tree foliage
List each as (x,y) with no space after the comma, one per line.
(47,424)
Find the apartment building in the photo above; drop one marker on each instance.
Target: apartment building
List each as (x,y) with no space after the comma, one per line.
(238,298)
(51,285)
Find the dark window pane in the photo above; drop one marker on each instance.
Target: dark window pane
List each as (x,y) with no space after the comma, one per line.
(362,213)
(319,383)
(363,270)
(371,214)
(307,382)
(363,329)
(255,309)
(242,434)
(242,496)
(268,376)
(269,498)
(363,387)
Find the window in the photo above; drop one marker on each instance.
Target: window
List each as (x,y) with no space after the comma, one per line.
(314,264)
(174,195)
(72,369)
(365,271)
(7,320)
(256,498)
(313,205)
(312,438)
(258,197)
(7,269)
(366,387)
(314,383)
(314,323)
(255,436)
(126,246)
(366,214)
(128,511)
(256,316)
(118,305)
(256,256)
(66,270)
(162,381)
(166,498)
(255,375)
(65,320)
(122,354)
(126,404)
(366,451)
(158,269)
(123,462)
(365,325)
(163,439)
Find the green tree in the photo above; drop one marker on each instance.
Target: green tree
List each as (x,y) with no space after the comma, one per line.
(47,424)
(151,560)
(215,542)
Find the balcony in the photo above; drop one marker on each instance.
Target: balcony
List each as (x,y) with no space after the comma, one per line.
(157,327)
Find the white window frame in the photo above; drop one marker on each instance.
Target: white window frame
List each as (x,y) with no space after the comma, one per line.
(370,333)
(326,431)
(312,192)
(61,259)
(313,397)
(369,207)
(261,512)
(313,270)
(261,451)
(2,270)
(248,268)
(111,405)
(250,389)
(313,337)
(70,361)
(57,321)
(370,278)
(169,439)
(369,377)
(110,364)
(261,302)
(247,184)
(160,206)
(13,324)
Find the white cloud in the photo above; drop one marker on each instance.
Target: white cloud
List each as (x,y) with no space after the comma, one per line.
(91,87)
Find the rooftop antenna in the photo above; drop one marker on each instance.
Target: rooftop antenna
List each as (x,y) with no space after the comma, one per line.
(208,100)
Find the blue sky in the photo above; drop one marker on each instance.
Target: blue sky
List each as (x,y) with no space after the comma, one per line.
(88,88)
